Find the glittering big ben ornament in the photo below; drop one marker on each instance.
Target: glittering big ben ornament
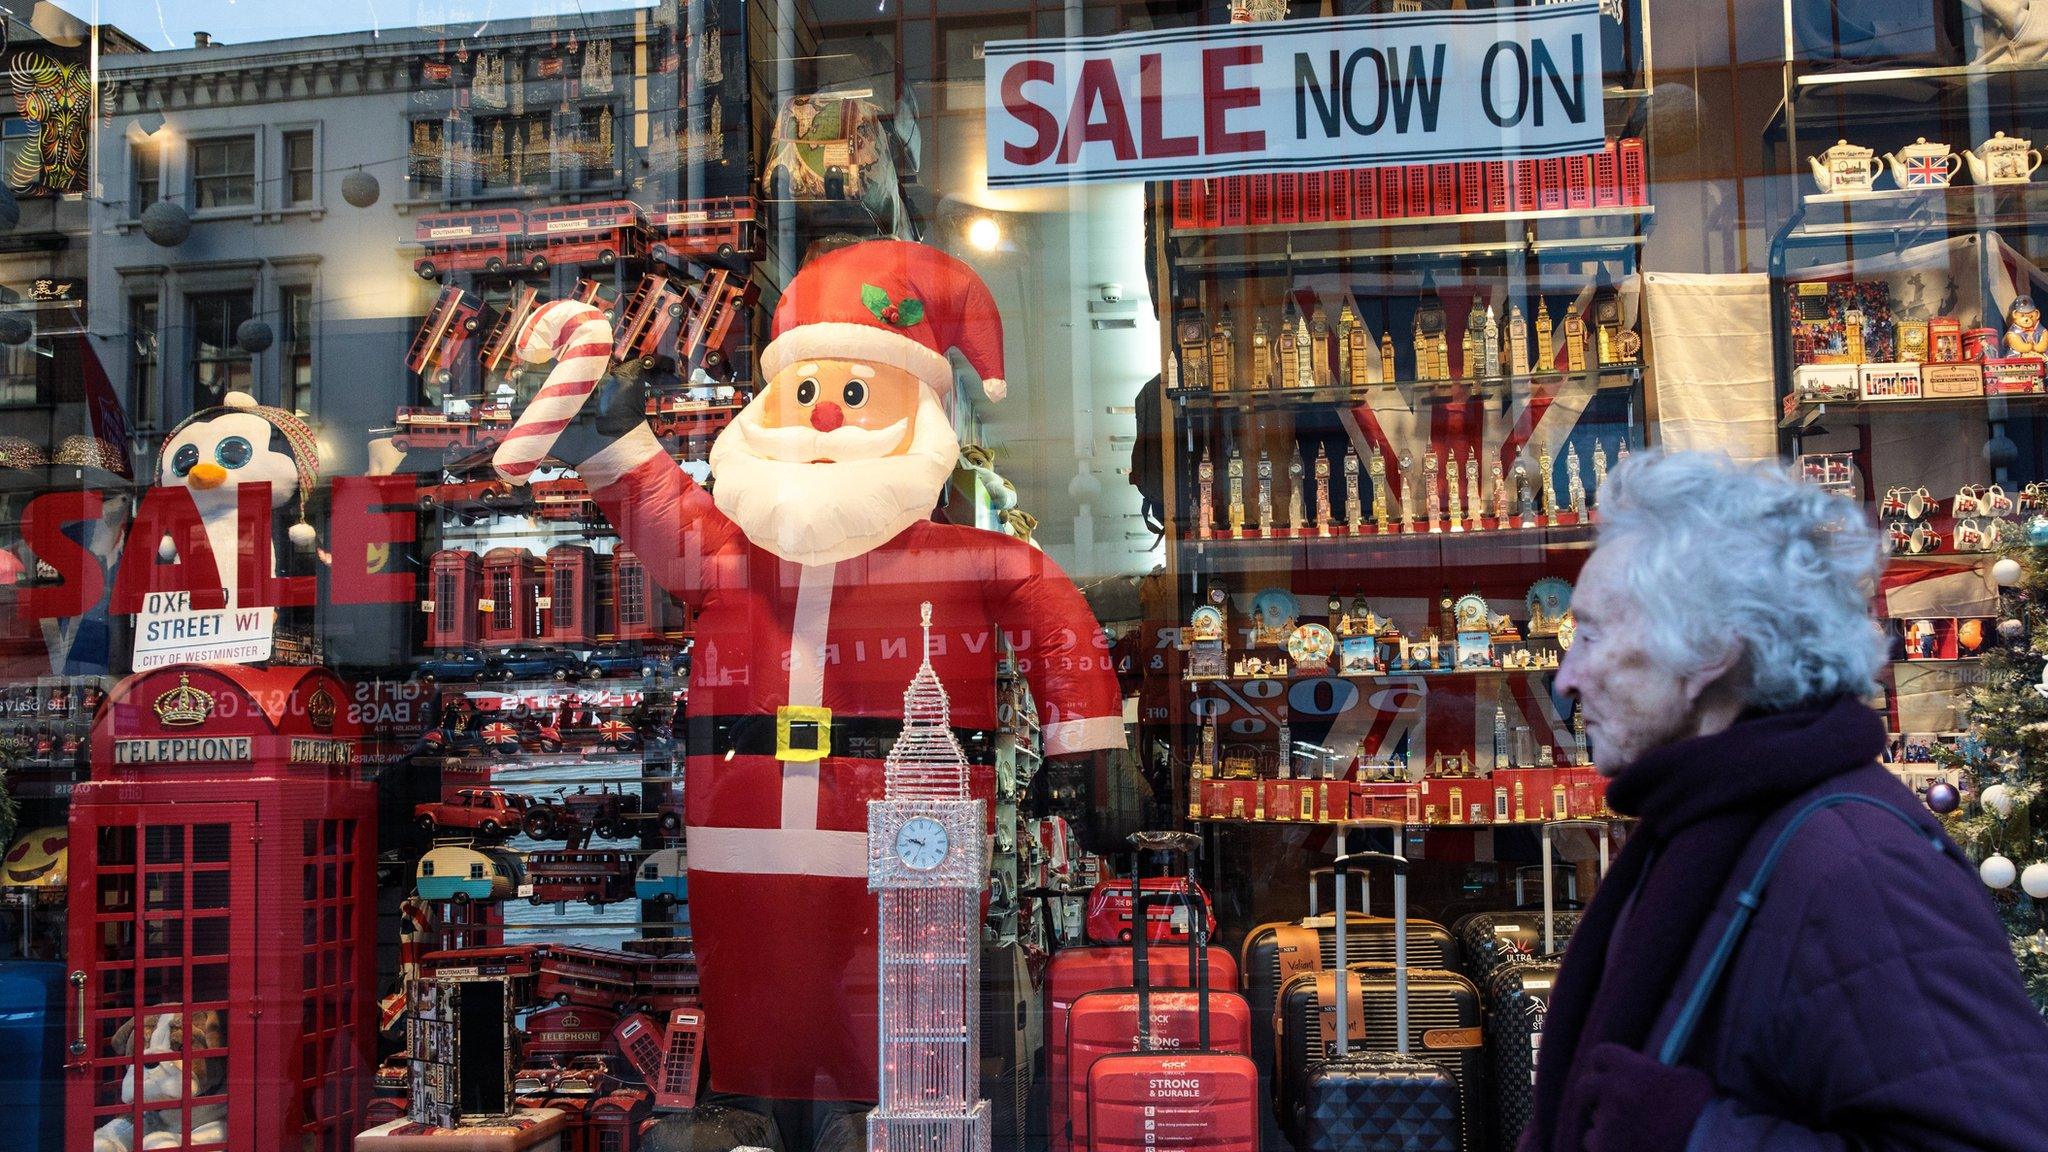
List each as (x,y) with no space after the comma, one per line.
(1546,351)
(927,865)
(1222,353)
(1262,355)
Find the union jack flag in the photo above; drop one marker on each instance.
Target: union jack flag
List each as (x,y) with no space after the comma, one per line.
(499,734)
(617,733)
(1926,172)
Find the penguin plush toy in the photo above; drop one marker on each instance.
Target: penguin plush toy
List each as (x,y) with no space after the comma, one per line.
(217,450)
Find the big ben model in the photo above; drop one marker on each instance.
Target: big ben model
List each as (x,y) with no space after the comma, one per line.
(927,861)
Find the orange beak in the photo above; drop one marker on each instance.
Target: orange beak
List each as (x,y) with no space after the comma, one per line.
(207,475)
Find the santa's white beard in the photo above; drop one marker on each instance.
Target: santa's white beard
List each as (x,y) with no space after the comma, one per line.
(822,513)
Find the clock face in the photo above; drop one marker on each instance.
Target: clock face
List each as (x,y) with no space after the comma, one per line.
(921,843)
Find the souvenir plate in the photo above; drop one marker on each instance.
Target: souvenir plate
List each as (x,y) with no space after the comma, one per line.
(1312,645)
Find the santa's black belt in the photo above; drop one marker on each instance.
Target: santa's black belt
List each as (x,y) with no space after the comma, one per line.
(864,737)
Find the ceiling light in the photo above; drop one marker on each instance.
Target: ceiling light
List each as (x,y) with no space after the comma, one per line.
(984,233)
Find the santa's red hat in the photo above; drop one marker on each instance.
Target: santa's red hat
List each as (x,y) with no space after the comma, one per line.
(890,302)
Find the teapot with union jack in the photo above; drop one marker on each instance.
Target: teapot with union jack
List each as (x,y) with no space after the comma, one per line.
(1922,164)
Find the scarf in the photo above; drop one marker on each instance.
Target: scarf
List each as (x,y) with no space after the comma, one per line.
(1700,801)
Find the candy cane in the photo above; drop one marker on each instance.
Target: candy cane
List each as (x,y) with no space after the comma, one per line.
(579,339)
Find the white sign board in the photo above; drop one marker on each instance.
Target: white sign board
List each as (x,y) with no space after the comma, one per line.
(170,631)
(1347,92)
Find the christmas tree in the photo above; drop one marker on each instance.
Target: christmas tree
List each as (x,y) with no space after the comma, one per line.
(2000,813)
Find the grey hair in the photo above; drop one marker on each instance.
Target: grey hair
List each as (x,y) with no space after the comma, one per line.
(1749,556)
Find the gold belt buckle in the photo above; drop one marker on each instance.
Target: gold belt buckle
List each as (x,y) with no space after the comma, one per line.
(803,732)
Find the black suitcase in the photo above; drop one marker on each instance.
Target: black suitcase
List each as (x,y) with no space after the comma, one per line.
(1379,1101)
(1487,940)
(1517,1002)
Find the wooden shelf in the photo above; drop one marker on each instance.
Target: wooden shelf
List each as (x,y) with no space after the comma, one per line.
(1424,238)
(1342,551)
(1803,418)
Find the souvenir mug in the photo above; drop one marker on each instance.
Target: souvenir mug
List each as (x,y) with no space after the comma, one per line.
(1916,504)
(1899,537)
(2034,497)
(1997,502)
(1969,501)
(1969,535)
(1925,539)
(1894,502)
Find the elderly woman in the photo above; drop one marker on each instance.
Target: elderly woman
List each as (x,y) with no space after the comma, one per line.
(1724,648)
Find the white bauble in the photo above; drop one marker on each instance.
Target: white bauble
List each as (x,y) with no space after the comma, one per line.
(1997,800)
(2006,572)
(2034,881)
(1997,872)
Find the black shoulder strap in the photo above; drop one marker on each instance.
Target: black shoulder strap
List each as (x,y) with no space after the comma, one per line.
(1751,898)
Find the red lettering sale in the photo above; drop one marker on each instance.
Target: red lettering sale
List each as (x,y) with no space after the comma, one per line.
(368,512)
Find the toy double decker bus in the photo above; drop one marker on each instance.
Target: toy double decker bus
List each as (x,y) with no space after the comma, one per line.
(649,320)
(721,227)
(455,317)
(604,232)
(717,311)
(595,876)
(500,353)
(479,240)
(596,977)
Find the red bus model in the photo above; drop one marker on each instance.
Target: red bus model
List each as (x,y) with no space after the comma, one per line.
(598,295)
(722,227)
(649,319)
(563,498)
(593,875)
(595,977)
(500,355)
(433,428)
(717,308)
(455,317)
(505,960)
(484,239)
(604,233)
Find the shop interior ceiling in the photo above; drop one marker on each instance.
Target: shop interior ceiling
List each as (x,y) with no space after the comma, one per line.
(1064,435)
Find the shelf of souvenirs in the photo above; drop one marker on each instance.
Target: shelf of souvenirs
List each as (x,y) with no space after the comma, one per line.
(1804,412)
(1485,540)
(1519,660)
(1946,207)
(1253,248)
(1879,93)
(1506,797)
(1456,390)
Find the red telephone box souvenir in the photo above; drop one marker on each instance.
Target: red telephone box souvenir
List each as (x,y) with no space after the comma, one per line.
(511,589)
(615,1120)
(642,611)
(223,869)
(453,578)
(571,615)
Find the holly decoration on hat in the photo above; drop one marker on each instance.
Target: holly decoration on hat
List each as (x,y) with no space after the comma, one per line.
(898,313)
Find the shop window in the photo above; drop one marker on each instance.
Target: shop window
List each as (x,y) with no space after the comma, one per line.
(144,382)
(218,364)
(596,146)
(16,136)
(295,311)
(425,162)
(298,167)
(224,172)
(516,151)
(146,166)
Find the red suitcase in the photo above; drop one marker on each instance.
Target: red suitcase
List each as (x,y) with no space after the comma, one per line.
(1105,1023)
(1109,911)
(1075,972)
(1152,1100)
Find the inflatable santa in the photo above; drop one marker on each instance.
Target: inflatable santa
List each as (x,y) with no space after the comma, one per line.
(805,565)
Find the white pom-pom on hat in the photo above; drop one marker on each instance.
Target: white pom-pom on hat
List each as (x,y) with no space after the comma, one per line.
(995,388)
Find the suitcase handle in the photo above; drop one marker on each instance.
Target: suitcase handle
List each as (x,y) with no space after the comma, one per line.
(1399,866)
(1604,830)
(1198,956)
(1314,905)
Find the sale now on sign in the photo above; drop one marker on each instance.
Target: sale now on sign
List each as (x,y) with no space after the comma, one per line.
(1348,92)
